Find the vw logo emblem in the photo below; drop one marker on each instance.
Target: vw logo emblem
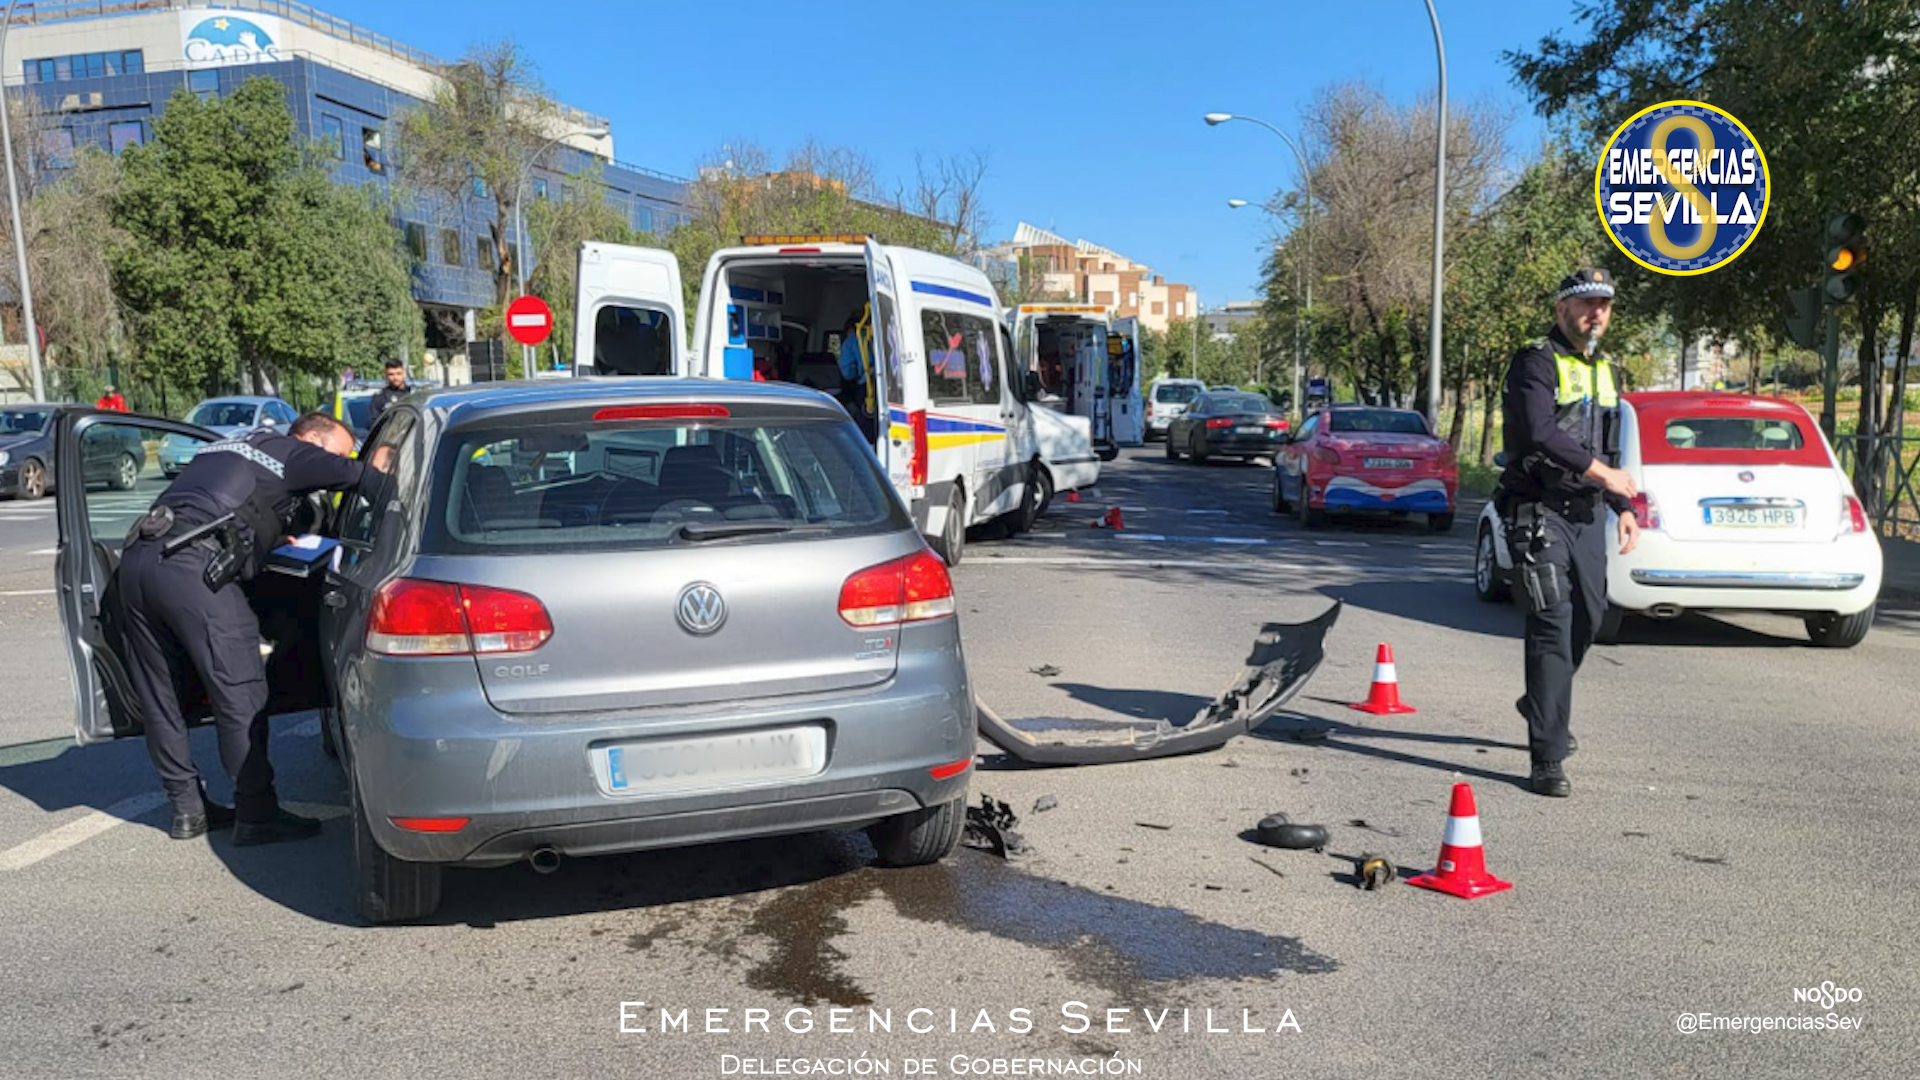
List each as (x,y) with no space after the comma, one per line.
(1746,477)
(701,611)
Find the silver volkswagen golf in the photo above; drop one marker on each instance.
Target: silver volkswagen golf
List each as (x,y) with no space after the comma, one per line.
(597,616)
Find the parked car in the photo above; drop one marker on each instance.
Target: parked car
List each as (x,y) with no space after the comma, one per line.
(1226,424)
(1068,459)
(594,616)
(1742,507)
(226,416)
(27,460)
(1167,399)
(1360,458)
(353,403)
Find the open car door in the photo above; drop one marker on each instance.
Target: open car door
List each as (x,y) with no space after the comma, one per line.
(893,441)
(629,315)
(110,477)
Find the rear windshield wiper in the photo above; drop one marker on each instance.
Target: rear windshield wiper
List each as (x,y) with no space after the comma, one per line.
(720,530)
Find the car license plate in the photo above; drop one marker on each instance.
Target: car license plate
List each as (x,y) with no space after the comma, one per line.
(1753,517)
(1250,431)
(710,762)
(1389,463)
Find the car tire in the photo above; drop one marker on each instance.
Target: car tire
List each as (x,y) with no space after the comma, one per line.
(1043,477)
(951,544)
(1279,494)
(33,480)
(1489,583)
(920,837)
(1310,517)
(389,889)
(1829,631)
(328,745)
(1197,449)
(126,473)
(1611,624)
(1440,522)
(1173,452)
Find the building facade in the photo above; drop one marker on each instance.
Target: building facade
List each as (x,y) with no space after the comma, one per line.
(1087,273)
(99,71)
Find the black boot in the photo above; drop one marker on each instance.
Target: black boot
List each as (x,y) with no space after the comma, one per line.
(1550,779)
(212,816)
(282,827)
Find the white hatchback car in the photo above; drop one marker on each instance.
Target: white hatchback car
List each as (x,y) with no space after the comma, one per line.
(1743,508)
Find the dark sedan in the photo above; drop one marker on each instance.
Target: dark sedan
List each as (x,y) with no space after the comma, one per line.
(1226,424)
(26,454)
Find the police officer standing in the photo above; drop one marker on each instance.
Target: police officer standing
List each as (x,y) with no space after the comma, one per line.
(1562,449)
(397,387)
(181,579)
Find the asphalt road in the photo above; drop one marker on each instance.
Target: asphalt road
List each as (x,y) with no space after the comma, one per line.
(1741,814)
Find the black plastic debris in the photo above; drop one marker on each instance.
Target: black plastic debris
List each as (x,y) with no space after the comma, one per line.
(1283,658)
(1045,803)
(990,828)
(1276,831)
(1045,671)
(1362,823)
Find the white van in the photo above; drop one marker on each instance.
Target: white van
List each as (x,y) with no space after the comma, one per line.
(1085,368)
(948,425)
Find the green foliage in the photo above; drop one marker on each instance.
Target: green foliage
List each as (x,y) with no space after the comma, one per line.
(245,264)
(558,228)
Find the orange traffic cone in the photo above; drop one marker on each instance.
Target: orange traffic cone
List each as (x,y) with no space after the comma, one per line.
(1116,520)
(1384,698)
(1463,867)
(1073,496)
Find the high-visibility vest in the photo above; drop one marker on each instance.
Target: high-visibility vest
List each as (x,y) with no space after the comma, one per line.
(1586,400)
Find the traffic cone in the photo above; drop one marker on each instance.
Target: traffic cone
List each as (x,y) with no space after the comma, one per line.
(1384,698)
(1073,496)
(1116,520)
(1463,867)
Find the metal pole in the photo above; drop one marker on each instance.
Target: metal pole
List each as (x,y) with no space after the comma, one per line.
(527,352)
(1306,177)
(1193,362)
(1439,229)
(31,328)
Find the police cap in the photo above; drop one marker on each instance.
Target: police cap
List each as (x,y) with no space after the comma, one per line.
(1589,282)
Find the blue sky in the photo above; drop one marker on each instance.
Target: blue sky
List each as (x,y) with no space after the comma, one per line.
(1091,113)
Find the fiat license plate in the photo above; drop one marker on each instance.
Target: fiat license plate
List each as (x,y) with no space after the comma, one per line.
(1753,517)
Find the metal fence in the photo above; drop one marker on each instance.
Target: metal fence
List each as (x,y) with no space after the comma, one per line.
(1886,476)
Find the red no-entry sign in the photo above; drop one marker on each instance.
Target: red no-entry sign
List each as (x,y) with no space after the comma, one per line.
(529,320)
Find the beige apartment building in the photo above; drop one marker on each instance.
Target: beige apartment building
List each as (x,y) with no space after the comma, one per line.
(1087,273)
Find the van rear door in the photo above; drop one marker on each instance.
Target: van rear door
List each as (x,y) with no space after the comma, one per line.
(894,442)
(629,315)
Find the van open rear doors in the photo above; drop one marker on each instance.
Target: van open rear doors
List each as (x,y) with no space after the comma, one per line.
(629,312)
(1123,356)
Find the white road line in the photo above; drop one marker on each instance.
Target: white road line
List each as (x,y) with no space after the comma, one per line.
(45,551)
(1046,536)
(57,840)
(1343,543)
(27,592)
(1139,536)
(1249,540)
(1222,512)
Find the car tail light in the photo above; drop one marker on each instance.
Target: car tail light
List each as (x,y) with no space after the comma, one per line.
(1277,424)
(950,769)
(1646,511)
(661,412)
(1856,519)
(437,618)
(430,824)
(1325,454)
(913,589)
(1220,422)
(917,467)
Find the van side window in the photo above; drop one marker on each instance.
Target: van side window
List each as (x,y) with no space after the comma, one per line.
(961,365)
(887,343)
(632,341)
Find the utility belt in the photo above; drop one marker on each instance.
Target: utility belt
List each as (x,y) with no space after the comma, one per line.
(1530,541)
(226,540)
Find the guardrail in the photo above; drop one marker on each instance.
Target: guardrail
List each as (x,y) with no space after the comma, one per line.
(1886,477)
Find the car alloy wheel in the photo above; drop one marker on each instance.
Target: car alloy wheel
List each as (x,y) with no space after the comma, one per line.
(33,480)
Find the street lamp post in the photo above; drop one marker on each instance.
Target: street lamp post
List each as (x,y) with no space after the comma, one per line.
(1306,176)
(1439,230)
(519,221)
(1300,317)
(31,328)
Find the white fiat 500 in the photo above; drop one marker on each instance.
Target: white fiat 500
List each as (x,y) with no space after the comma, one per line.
(1743,508)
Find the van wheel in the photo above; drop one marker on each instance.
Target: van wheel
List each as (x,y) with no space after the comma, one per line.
(1488,582)
(1043,478)
(1830,631)
(920,837)
(1029,507)
(388,889)
(951,544)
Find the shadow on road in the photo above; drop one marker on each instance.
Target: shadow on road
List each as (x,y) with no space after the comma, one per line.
(1701,631)
(1451,605)
(1175,708)
(1316,734)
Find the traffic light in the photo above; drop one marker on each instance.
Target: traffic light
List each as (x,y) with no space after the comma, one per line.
(1844,255)
(1803,317)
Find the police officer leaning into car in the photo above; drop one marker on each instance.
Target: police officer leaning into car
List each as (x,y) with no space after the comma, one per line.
(182,581)
(1562,448)
(397,387)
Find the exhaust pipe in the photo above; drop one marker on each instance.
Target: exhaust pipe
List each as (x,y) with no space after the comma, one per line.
(1665,611)
(544,860)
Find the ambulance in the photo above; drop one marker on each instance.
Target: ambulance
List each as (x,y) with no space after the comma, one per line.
(926,376)
(1086,364)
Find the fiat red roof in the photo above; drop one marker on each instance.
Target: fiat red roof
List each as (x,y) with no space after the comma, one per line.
(1656,409)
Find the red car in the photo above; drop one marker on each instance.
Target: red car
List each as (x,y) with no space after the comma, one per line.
(1364,458)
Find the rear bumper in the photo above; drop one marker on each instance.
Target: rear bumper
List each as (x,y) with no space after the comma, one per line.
(1419,496)
(426,746)
(1842,578)
(1243,445)
(9,480)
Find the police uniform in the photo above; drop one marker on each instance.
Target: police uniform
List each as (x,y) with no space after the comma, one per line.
(187,606)
(1561,411)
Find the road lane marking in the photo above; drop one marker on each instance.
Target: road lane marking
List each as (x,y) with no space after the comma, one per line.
(1343,543)
(27,592)
(45,551)
(1222,512)
(21,856)
(1141,536)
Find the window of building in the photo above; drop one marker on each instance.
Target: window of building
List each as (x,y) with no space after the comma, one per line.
(204,83)
(643,218)
(63,68)
(133,62)
(1179,309)
(97,65)
(417,241)
(539,187)
(126,133)
(1159,307)
(450,249)
(483,251)
(59,148)
(479,188)
(93,64)
(370,151)
(333,137)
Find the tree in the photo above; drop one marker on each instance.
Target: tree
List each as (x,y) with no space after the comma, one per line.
(558,228)
(244,263)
